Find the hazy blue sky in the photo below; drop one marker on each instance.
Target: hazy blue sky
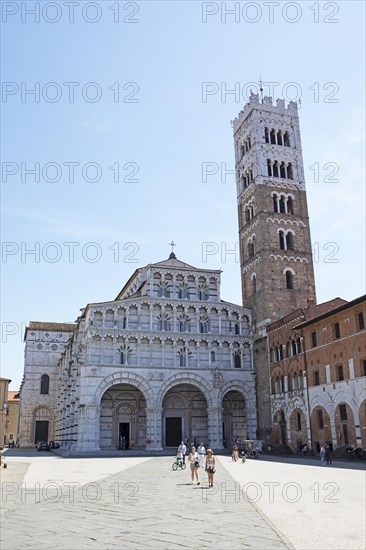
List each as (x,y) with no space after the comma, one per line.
(146,114)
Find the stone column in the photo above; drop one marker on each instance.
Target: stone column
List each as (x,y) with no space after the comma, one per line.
(351,369)
(154,418)
(251,420)
(356,418)
(89,424)
(214,420)
(174,319)
(138,343)
(307,412)
(151,316)
(333,430)
(327,374)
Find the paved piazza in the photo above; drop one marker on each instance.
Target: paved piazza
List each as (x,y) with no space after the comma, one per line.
(139,502)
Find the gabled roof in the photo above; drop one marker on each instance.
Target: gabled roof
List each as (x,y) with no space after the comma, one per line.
(172,261)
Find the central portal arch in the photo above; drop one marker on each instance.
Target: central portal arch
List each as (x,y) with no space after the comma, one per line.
(184,415)
(122,417)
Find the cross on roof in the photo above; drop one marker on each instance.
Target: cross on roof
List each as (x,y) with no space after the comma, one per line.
(172,244)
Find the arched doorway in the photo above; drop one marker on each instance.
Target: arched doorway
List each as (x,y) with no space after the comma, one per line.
(234,422)
(362,415)
(122,417)
(184,415)
(43,424)
(320,427)
(298,428)
(345,425)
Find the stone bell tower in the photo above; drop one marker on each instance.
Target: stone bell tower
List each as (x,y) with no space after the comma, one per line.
(275,246)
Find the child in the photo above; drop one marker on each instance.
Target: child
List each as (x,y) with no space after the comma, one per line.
(179,456)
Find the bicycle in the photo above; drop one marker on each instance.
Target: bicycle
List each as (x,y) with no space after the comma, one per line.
(178,464)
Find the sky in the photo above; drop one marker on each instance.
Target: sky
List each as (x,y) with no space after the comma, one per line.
(110,113)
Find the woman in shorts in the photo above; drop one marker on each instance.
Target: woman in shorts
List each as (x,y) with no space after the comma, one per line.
(194,463)
(210,467)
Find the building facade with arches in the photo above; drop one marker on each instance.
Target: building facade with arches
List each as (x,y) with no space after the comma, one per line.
(317,360)
(165,361)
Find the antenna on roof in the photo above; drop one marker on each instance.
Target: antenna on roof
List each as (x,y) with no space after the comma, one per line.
(261,87)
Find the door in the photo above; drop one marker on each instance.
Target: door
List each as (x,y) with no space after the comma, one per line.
(345,434)
(283,432)
(41,431)
(124,431)
(173,433)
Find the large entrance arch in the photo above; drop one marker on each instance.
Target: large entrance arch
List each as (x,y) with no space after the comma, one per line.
(234,421)
(184,415)
(122,417)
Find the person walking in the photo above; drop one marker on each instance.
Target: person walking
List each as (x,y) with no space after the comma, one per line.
(210,464)
(194,464)
(327,454)
(201,453)
(184,450)
(322,455)
(235,452)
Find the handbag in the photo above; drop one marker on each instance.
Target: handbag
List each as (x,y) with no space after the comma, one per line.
(197,464)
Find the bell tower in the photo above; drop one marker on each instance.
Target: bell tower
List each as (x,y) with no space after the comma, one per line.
(275,246)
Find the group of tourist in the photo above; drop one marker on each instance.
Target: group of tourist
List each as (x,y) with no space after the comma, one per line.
(198,458)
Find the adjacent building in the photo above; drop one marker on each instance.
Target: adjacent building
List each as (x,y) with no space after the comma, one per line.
(4,385)
(12,418)
(317,360)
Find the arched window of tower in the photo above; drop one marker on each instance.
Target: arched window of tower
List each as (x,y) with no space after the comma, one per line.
(281,235)
(290,205)
(286,139)
(269,167)
(289,279)
(283,170)
(254,283)
(282,204)
(290,241)
(266,135)
(273,136)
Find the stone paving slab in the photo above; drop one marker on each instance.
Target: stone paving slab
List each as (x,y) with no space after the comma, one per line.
(146,506)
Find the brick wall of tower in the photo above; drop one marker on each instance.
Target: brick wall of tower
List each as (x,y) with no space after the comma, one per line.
(271,300)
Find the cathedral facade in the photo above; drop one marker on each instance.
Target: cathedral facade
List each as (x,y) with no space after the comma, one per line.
(165,361)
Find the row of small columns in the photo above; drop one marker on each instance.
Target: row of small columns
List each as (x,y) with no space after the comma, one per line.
(186,312)
(176,346)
